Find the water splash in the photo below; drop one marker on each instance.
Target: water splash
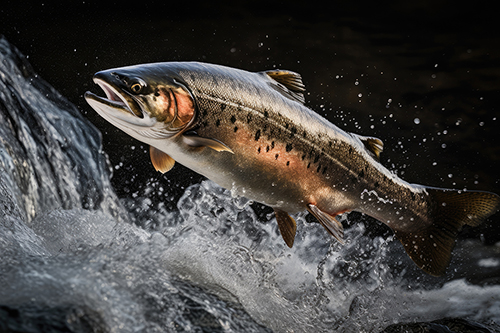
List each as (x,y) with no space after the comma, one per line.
(51,154)
(316,286)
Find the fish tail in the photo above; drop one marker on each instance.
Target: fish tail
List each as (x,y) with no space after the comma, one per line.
(430,248)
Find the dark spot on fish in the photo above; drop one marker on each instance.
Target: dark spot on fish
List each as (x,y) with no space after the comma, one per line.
(192,77)
(354,179)
(287,163)
(303,157)
(205,112)
(308,165)
(233,119)
(258,150)
(304,134)
(267,149)
(293,130)
(272,144)
(286,125)
(157,92)
(257,135)
(377,185)
(217,122)
(319,168)
(266,114)
(316,159)
(288,147)
(222,107)
(361,174)
(324,170)
(235,129)
(413,197)
(276,156)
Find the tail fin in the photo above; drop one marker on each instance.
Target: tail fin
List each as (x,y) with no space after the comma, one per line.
(449,210)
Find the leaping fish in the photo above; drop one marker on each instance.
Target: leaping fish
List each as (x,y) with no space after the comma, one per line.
(253,134)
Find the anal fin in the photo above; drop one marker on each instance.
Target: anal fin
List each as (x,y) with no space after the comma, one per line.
(329,222)
(161,161)
(287,226)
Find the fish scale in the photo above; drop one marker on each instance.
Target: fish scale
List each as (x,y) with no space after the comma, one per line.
(252,133)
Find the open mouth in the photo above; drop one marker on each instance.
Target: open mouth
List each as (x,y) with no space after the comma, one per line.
(115,99)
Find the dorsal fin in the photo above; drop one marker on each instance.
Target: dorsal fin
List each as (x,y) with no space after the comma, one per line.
(289,83)
(161,161)
(373,145)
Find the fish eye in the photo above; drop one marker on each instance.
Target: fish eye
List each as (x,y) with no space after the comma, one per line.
(137,86)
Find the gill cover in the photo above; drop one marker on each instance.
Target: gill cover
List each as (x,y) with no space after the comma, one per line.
(150,104)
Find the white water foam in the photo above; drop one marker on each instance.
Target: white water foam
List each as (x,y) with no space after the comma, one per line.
(316,286)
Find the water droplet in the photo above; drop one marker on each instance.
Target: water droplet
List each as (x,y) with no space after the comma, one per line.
(416,121)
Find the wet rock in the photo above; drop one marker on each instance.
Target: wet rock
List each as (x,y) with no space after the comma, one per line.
(29,318)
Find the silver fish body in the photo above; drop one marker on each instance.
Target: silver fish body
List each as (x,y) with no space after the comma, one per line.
(251,133)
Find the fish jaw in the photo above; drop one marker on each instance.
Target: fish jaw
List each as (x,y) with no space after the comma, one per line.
(127,113)
(118,110)
(142,103)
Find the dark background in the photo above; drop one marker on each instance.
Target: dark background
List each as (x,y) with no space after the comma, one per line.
(422,76)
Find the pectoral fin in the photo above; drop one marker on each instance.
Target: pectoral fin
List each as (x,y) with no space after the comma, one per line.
(193,140)
(331,225)
(287,226)
(161,161)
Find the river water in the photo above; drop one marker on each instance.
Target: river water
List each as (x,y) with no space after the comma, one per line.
(86,252)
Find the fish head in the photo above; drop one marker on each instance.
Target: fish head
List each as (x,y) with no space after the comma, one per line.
(144,101)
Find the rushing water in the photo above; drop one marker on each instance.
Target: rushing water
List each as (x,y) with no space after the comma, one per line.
(75,257)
